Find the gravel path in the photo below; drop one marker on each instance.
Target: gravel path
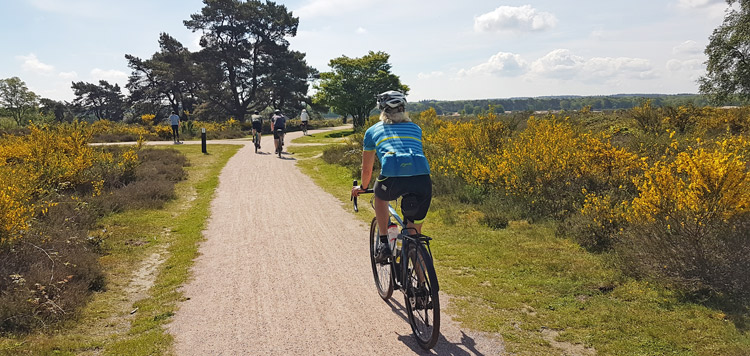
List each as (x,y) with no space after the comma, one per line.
(284,270)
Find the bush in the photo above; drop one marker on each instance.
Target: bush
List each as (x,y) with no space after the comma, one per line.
(49,274)
(597,226)
(48,263)
(689,223)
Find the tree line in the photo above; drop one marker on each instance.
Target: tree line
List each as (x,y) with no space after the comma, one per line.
(612,102)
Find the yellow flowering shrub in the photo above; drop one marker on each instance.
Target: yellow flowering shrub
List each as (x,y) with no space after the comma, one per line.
(709,184)
(718,120)
(690,219)
(47,161)
(148,119)
(467,149)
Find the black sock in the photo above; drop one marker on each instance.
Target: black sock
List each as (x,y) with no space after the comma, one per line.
(383,238)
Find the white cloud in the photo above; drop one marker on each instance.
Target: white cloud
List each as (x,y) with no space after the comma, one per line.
(560,63)
(607,68)
(112,76)
(361,31)
(502,64)
(563,64)
(509,18)
(676,65)
(68,75)
(431,75)
(322,8)
(85,8)
(688,48)
(695,4)
(32,64)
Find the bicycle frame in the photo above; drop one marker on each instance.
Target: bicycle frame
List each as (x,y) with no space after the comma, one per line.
(405,237)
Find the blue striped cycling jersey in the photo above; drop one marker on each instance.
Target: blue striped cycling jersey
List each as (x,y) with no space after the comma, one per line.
(399,149)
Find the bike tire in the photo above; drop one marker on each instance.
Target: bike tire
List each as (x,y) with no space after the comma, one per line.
(425,317)
(382,273)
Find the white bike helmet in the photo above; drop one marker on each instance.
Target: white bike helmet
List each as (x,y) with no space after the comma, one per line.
(391,99)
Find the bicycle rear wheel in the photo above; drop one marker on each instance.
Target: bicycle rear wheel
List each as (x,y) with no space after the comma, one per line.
(421,296)
(381,271)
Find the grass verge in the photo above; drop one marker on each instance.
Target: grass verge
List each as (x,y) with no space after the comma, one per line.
(148,256)
(546,295)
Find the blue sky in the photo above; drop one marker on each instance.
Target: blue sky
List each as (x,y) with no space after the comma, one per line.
(442,49)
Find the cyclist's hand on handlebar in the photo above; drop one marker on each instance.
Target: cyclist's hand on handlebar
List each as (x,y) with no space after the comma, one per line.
(357,190)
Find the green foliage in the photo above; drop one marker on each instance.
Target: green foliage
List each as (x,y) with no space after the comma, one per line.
(17,99)
(351,87)
(245,60)
(103,101)
(727,65)
(168,76)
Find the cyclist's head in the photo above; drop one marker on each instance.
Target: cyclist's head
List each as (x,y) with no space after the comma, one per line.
(277,112)
(393,107)
(256,112)
(303,110)
(392,100)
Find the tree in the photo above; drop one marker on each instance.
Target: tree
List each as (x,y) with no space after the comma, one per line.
(728,51)
(351,87)
(244,45)
(168,78)
(17,99)
(57,109)
(104,101)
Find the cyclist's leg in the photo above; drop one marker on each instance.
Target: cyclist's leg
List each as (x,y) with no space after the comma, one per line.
(381,213)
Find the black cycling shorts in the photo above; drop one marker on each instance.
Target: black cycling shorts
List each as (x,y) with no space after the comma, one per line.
(257,126)
(278,132)
(416,190)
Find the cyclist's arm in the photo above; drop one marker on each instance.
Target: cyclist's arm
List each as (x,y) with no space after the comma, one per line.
(368,160)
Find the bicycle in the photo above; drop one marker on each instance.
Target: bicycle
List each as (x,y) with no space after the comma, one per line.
(280,135)
(256,140)
(304,127)
(416,278)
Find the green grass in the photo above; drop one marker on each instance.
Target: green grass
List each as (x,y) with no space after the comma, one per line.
(520,280)
(325,137)
(111,324)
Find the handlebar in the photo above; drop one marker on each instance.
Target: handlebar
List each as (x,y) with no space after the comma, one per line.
(354,199)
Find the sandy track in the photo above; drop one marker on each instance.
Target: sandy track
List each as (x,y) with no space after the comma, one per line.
(284,270)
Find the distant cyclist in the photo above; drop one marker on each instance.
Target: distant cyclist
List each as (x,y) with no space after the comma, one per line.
(257,126)
(304,118)
(397,143)
(278,125)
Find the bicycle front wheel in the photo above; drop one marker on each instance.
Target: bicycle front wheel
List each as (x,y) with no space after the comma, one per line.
(421,296)
(381,271)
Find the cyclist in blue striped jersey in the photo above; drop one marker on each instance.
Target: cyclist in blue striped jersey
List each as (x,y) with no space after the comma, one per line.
(397,143)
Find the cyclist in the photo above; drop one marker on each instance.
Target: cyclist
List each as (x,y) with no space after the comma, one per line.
(304,118)
(278,124)
(397,143)
(257,126)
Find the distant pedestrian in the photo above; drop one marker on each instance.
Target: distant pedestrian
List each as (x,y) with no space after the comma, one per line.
(304,118)
(174,120)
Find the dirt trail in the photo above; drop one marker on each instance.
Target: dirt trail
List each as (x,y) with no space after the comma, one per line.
(285,270)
